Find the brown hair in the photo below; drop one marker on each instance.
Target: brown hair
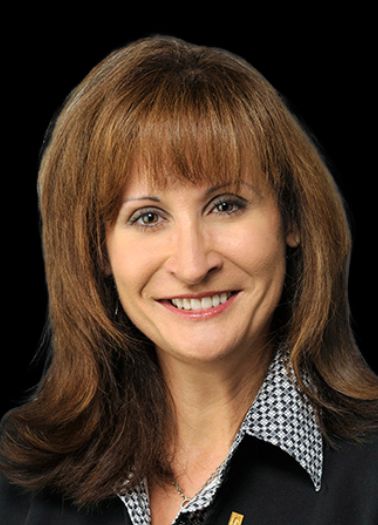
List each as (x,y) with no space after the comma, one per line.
(195,113)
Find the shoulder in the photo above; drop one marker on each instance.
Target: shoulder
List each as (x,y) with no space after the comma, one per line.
(365,450)
(18,507)
(14,503)
(355,461)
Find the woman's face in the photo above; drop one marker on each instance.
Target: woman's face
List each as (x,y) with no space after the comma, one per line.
(189,240)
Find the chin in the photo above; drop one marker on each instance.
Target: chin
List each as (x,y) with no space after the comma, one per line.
(196,354)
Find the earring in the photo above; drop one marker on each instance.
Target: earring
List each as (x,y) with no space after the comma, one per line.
(116,309)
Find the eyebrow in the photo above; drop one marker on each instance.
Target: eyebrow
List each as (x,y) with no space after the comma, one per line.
(208,192)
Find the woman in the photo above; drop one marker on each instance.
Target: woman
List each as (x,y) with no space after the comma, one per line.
(203,368)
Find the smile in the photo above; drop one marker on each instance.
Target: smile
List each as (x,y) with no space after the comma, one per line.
(200,308)
(201,304)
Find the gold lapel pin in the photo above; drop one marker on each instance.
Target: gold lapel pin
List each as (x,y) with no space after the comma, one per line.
(236,519)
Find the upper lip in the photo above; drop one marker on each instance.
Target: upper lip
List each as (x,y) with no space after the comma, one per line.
(196,295)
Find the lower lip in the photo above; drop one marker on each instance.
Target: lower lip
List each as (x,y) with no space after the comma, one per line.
(200,314)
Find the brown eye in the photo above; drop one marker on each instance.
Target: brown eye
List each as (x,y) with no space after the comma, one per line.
(149,214)
(224,206)
(145,219)
(228,205)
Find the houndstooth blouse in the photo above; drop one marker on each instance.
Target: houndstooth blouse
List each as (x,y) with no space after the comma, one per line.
(281,415)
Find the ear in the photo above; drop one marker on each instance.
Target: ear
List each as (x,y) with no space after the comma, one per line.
(105,265)
(105,261)
(293,238)
(107,270)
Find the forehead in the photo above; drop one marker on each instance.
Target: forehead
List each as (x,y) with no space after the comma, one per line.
(137,193)
(140,180)
(139,186)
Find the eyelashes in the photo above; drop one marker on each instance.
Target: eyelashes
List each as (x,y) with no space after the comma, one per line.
(237,205)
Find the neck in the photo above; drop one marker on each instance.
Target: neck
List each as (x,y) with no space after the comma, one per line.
(211,400)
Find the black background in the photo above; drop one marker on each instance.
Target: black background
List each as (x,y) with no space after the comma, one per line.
(322,64)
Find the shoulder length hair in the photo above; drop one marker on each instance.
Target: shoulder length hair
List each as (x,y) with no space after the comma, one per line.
(199,114)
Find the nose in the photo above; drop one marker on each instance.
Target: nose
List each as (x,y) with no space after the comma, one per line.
(192,255)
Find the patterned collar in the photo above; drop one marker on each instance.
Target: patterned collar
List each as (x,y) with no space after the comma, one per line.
(280,415)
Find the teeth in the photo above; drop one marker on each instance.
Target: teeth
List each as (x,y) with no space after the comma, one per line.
(201,304)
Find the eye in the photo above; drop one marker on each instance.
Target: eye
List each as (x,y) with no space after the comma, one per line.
(230,202)
(146,217)
(226,205)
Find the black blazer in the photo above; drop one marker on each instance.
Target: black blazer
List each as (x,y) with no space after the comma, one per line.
(264,484)
(19,508)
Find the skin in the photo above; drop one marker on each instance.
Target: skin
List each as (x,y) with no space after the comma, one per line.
(214,367)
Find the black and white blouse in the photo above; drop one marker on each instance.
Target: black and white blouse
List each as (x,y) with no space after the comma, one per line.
(280,415)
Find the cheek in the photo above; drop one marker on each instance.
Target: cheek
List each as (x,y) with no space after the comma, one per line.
(129,262)
(258,246)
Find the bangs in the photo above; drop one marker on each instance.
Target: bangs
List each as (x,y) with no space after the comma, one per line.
(191,134)
(194,141)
